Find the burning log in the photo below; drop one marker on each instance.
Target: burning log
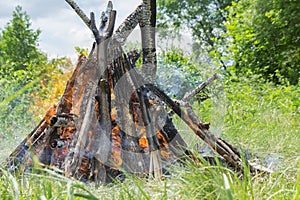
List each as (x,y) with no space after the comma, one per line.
(111,116)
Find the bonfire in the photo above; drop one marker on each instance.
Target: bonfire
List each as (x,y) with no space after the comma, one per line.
(112,118)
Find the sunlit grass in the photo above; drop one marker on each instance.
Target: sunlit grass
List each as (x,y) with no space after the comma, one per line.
(261,119)
(189,181)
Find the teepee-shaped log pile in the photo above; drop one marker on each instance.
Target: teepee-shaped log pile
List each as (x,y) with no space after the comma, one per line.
(111,115)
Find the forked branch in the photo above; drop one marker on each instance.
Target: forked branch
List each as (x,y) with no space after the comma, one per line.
(107,21)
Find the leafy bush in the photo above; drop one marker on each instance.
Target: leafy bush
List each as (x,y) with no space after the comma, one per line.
(261,36)
(264,38)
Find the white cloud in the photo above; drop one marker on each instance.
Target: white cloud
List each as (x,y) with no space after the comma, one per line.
(61,28)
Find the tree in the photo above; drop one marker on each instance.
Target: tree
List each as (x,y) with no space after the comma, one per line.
(257,35)
(205,19)
(23,67)
(265,38)
(19,48)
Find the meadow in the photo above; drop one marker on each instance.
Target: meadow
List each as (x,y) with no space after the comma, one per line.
(261,119)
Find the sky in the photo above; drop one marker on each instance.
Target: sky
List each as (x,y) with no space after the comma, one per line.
(62,29)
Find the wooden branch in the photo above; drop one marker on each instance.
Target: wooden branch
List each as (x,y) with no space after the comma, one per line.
(78,10)
(201,131)
(23,149)
(107,21)
(223,148)
(195,91)
(147,24)
(145,15)
(170,133)
(123,87)
(93,28)
(144,105)
(105,32)
(191,94)
(125,29)
(103,137)
(66,101)
(93,132)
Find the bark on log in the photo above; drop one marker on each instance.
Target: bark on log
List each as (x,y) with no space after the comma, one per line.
(125,29)
(148,24)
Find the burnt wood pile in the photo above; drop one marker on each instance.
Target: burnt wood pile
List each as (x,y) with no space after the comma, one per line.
(111,116)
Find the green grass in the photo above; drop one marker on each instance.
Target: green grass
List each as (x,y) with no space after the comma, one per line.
(188,182)
(260,118)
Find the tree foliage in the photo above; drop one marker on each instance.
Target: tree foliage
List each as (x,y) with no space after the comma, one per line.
(266,38)
(205,19)
(26,75)
(257,35)
(51,88)
(19,51)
